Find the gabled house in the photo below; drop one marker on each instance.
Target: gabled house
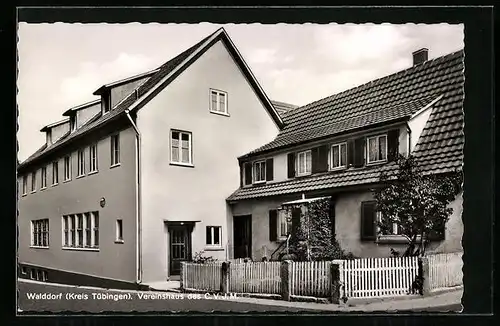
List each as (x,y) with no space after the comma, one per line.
(337,147)
(135,182)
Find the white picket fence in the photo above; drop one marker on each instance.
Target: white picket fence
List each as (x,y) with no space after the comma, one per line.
(445,270)
(310,278)
(255,277)
(378,277)
(202,276)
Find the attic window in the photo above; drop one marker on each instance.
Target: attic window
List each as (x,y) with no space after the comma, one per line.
(73,122)
(49,136)
(106,102)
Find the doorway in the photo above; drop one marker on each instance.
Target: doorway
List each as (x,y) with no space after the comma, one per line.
(242,236)
(179,247)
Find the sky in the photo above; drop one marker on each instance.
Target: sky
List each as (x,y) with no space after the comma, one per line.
(60,65)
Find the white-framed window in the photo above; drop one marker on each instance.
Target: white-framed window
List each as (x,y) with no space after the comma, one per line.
(115,150)
(181,150)
(40,233)
(119,230)
(67,167)
(395,227)
(214,236)
(93,158)
(282,224)
(259,171)
(304,163)
(81,162)
(218,101)
(376,148)
(55,173)
(338,156)
(33,181)
(25,184)
(43,178)
(81,230)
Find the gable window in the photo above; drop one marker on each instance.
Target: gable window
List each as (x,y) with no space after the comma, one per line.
(93,158)
(181,147)
(304,163)
(115,150)
(218,101)
(377,149)
(40,233)
(55,173)
(25,185)
(81,162)
(67,168)
(338,156)
(33,181)
(119,231)
(213,236)
(259,172)
(81,230)
(43,178)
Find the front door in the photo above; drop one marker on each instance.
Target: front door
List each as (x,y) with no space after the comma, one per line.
(242,235)
(180,247)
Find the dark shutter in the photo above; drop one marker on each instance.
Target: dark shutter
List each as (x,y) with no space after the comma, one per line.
(314,159)
(241,174)
(368,221)
(392,144)
(359,147)
(248,173)
(322,158)
(291,165)
(208,236)
(269,169)
(273,225)
(350,152)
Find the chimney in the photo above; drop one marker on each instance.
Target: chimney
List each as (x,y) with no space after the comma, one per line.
(420,56)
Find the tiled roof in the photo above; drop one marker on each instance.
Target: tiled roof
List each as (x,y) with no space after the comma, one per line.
(439,148)
(283,107)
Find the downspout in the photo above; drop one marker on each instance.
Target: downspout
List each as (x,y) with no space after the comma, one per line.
(138,201)
(408,129)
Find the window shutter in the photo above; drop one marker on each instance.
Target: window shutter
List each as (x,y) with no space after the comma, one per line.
(273,225)
(242,174)
(248,173)
(314,159)
(208,236)
(359,147)
(291,165)
(392,144)
(269,169)
(368,221)
(322,165)
(350,152)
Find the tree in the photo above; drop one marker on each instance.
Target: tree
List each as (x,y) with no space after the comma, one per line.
(416,202)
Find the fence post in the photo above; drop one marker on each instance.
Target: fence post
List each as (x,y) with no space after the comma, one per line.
(335,281)
(423,273)
(285,274)
(183,268)
(224,286)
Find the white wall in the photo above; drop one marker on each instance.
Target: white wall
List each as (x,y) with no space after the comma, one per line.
(417,125)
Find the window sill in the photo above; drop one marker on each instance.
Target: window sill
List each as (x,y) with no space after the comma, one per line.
(303,175)
(39,247)
(80,176)
(393,239)
(24,195)
(119,241)
(187,165)
(92,172)
(259,182)
(68,180)
(41,189)
(55,184)
(340,168)
(281,239)
(220,113)
(80,249)
(115,165)
(213,248)
(375,163)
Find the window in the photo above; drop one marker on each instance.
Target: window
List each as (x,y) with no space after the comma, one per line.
(218,101)
(181,147)
(93,158)
(33,181)
(67,168)
(338,156)
(25,185)
(282,224)
(43,178)
(40,233)
(73,122)
(119,230)
(304,163)
(81,162)
(115,150)
(106,103)
(81,230)
(395,227)
(377,148)
(55,173)
(214,234)
(259,171)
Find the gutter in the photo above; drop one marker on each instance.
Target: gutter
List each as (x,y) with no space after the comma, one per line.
(138,201)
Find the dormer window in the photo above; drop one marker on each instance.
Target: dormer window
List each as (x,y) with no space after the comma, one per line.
(49,136)
(376,149)
(72,122)
(106,103)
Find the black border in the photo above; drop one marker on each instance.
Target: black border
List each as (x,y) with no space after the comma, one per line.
(479,127)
